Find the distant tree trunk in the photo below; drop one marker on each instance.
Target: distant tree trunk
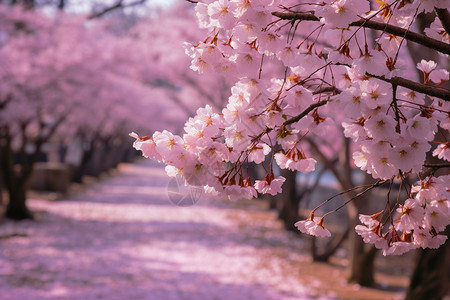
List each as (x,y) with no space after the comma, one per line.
(16,180)
(431,276)
(17,208)
(79,170)
(361,258)
(15,184)
(61,4)
(288,202)
(1,180)
(361,255)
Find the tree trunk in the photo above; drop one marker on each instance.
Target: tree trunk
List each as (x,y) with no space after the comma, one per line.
(16,181)
(16,185)
(79,170)
(17,208)
(362,262)
(431,276)
(287,202)
(361,256)
(1,181)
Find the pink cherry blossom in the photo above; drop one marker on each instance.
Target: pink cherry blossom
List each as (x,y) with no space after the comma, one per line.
(313,227)
(442,151)
(272,187)
(426,66)
(411,216)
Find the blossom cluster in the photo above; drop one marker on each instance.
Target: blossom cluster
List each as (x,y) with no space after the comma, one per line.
(417,222)
(304,79)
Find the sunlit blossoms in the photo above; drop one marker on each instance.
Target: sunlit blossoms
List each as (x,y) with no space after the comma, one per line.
(299,81)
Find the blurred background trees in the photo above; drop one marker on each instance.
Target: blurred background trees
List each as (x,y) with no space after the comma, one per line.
(73,87)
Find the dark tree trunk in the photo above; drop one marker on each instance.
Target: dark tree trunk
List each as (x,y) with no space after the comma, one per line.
(431,276)
(1,180)
(288,202)
(17,208)
(16,186)
(16,180)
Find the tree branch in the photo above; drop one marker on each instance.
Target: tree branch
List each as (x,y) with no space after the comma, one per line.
(119,4)
(429,90)
(444,17)
(397,31)
(305,112)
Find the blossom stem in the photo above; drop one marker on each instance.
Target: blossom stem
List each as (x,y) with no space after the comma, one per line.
(339,194)
(376,184)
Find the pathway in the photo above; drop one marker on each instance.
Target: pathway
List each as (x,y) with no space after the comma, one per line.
(123,239)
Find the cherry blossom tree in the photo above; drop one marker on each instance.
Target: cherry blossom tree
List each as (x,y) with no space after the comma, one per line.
(340,63)
(32,90)
(84,82)
(58,74)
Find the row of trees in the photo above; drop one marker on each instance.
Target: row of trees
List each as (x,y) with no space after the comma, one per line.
(82,83)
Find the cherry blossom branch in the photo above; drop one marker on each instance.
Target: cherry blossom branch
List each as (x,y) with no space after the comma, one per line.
(397,31)
(429,90)
(376,184)
(305,112)
(444,17)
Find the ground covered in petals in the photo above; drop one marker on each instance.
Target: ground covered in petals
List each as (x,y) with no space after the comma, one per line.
(121,238)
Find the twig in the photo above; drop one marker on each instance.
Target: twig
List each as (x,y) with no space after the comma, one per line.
(376,184)
(305,112)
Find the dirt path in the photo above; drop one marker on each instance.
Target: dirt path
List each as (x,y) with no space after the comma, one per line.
(123,239)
